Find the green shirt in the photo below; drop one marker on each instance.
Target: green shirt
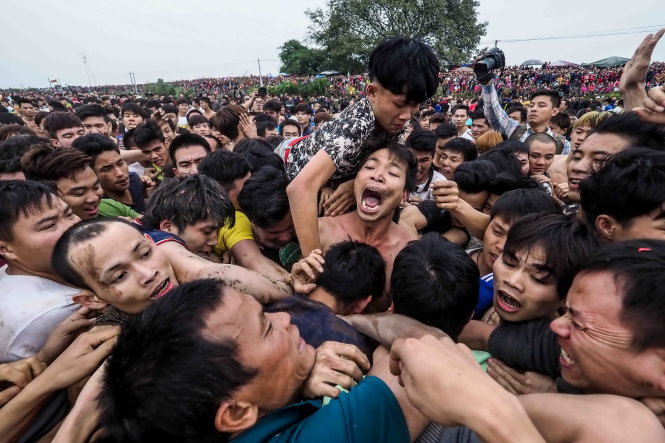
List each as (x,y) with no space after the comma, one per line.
(113,208)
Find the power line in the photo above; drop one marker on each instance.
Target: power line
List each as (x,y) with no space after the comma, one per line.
(624,31)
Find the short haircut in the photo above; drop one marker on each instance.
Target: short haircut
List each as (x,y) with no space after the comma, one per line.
(422,140)
(225,167)
(289,122)
(630,184)
(438,117)
(542,137)
(479,114)
(188,200)
(554,96)
(259,153)
(48,164)
(204,99)
(321,117)
(445,130)
(169,109)
(11,119)
(488,140)
(21,197)
(458,107)
(13,149)
(474,176)
(265,124)
(263,197)
(520,109)
(436,283)
(196,119)
(352,271)
(405,65)
(57,121)
(146,133)
(304,108)
(564,241)
(93,110)
(398,151)
(273,106)
(591,119)
(227,119)
(562,120)
(158,384)
(93,145)
(631,127)
(520,202)
(185,141)
(463,146)
(637,270)
(135,108)
(182,101)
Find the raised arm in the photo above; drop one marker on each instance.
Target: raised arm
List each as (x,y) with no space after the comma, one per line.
(386,328)
(249,256)
(632,84)
(496,115)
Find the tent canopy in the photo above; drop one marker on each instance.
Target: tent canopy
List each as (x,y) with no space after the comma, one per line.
(563,63)
(532,62)
(332,72)
(609,62)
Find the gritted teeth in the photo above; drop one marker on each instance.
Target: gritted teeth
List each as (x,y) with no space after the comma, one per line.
(509,301)
(160,288)
(566,357)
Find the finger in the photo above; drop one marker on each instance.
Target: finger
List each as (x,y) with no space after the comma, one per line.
(99,336)
(343,207)
(336,203)
(36,366)
(649,116)
(100,352)
(352,353)
(657,95)
(305,268)
(8,394)
(314,263)
(324,389)
(17,374)
(338,378)
(503,383)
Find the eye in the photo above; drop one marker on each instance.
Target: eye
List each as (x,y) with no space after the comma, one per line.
(120,277)
(147,253)
(508,261)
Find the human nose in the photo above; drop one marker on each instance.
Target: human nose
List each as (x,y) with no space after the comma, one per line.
(146,273)
(561,326)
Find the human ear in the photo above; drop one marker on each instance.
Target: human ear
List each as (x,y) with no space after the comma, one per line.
(89,300)
(606,225)
(361,304)
(7,251)
(235,416)
(371,90)
(167,226)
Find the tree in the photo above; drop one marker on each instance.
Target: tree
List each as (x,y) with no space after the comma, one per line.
(348,30)
(299,59)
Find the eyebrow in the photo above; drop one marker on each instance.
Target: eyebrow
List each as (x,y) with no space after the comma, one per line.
(117,265)
(541,267)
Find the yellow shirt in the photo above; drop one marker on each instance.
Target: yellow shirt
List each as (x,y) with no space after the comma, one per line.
(228,237)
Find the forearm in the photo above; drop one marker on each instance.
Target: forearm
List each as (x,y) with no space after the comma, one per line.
(495,114)
(264,289)
(503,419)
(474,221)
(633,96)
(386,328)
(16,415)
(476,335)
(303,203)
(132,155)
(248,255)
(79,425)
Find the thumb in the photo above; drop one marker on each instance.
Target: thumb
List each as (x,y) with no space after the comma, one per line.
(8,394)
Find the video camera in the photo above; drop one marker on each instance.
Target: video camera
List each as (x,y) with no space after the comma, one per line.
(488,62)
(263,91)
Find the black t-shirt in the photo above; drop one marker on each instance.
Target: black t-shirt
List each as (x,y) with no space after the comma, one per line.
(136,191)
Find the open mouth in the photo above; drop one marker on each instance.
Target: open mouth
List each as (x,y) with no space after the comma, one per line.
(91,209)
(370,201)
(162,289)
(565,359)
(574,183)
(507,303)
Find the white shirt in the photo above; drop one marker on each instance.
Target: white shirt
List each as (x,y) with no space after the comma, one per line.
(467,135)
(30,308)
(423,190)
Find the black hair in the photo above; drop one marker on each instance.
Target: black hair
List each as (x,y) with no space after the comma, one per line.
(21,197)
(405,65)
(562,120)
(521,109)
(462,146)
(93,145)
(352,271)
(458,107)
(225,167)
(504,161)
(479,114)
(152,104)
(187,200)
(169,109)
(630,184)
(146,133)
(436,283)
(445,130)
(196,119)
(564,241)
(636,131)
(259,153)
(542,137)
(422,140)
(265,123)
(185,141)
(13,149)
(474,176)
(398,151)
(227,119)
(135,108)
(57,121)
(11,119)
(182,101)
(93,110)
(554,96)
(520,202)
(304,108)
(48,164)
(263,197)
(289,122)
(272,105)
(638,271)
(158,384)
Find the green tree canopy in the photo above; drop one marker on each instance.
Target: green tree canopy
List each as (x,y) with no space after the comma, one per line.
(299,59)
(347,30)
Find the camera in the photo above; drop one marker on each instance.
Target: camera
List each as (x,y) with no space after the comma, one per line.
(489,61)
(263,92)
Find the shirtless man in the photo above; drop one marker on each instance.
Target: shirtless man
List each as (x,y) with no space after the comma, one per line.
(383,181)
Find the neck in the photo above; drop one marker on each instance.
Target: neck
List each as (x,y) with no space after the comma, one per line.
(461,130)
(482,266)
(322,296)
(118,195)
(425,177)
(15,269)
(372,232)
(540,127)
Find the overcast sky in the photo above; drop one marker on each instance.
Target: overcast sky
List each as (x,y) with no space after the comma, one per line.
(178,39)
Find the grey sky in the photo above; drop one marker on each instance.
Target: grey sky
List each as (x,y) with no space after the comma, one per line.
(178,39)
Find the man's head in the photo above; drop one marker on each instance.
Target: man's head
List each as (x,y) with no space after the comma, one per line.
(11,152)
(198,124)
(560,123)
(614,134)
(625,199)
(540,257)
(227,121)
(385,178)
(94,119)
(303,112)
(353,273)
(543,105)
(542,148)
(149,138)
(585,125)
(444,133)
(266,126)
(259,153)
(403,73)
(192,207)
(517,113)
(473,182)
(183,106)
(436,283)
(263,199)
(67,171)
(479,124)
(32,219)
(612,336)
(514,148)
(230,169)
(436,120)
(111,170)
(186,152)
(459,116)
(422,144)
(290,129)
(63,128)
(146,396)
(26,108)
(455,152)
(272,108)
(133,115)
(115,262)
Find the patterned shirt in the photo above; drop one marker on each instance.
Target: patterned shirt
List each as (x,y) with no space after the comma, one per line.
(343,139)
(500,121)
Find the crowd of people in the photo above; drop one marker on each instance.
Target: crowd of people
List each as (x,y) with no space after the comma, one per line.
(378,266)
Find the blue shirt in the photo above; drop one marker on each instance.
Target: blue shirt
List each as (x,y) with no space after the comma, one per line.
(369,413)
(485,296)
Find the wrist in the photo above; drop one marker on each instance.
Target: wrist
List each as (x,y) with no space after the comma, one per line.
(502,418)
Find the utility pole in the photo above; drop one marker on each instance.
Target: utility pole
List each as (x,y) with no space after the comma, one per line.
(85,65)
(260,77)
(132,80)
